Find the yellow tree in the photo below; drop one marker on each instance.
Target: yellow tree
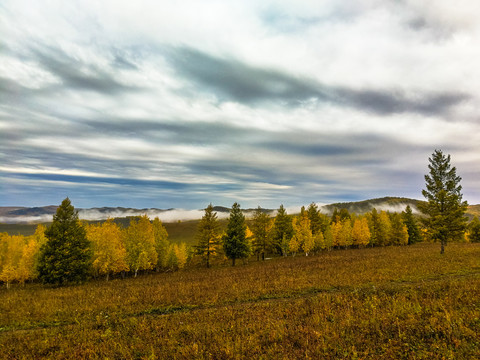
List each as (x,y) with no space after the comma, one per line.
(384,229)
(319,242)
(360,232)
(181,254)
(328,237)
(27,264)
(336,228)
(139,242)
(12,252)
(293,245)
(109,254)
(161,243)
(342,232)
(303,232)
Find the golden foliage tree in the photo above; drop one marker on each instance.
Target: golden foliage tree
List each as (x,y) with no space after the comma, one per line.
(139,242)
(109,253)
(303,232)
(161,243)
(360,232)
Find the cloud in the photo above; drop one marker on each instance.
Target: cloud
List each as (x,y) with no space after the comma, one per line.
(231,80)
(149,105)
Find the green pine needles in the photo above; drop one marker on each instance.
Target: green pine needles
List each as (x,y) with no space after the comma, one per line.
(66,256)
(235,242)
(444,206)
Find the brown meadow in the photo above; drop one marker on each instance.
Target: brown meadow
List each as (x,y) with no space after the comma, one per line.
(376,303)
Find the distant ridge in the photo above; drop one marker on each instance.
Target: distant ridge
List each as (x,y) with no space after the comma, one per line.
(388,203)
(35,215)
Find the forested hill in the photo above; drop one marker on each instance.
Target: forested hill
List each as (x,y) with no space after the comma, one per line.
(392,204)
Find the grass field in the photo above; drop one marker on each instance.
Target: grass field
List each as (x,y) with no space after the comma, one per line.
(380,303)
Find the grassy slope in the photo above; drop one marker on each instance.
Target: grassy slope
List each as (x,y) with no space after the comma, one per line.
(381,303)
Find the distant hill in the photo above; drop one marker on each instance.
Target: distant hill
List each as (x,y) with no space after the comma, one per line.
(392,204)
(182,224)
(474,210)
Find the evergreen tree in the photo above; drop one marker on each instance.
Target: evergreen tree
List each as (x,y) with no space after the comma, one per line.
(282,231)
(208,235)
(398,230)
(444,207)
(261,225)
(474,230)
(66,255)
(235,242)
(374,224)
(315,219)
(335,216)
(412,227)
(344,214)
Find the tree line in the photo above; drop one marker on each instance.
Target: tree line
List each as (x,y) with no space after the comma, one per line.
(308,232)
(69,251)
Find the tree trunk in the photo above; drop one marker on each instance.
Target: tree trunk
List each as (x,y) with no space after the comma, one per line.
(233,261)
(442,249)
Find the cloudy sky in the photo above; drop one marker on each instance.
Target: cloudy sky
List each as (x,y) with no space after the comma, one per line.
(176,104)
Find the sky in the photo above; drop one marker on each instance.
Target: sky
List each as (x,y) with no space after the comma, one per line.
(178,104)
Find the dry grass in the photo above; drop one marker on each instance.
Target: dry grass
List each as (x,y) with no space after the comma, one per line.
(381,303)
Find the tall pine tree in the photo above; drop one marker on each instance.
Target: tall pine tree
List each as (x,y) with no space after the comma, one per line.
(261,225)
(66,255)
(282,231)
(208,237)
(235,242)
(444,207)
(412,227)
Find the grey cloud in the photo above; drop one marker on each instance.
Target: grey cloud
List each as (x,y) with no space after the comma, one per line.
(68,69)
(397,102)
(233,80)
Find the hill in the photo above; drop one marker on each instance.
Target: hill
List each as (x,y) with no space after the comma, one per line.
(392,204)
(181,225)
(405,302)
